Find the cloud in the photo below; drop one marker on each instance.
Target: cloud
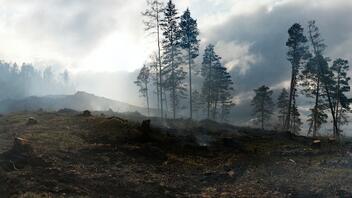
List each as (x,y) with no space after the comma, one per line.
(64,30)
(237,56)
(266,31)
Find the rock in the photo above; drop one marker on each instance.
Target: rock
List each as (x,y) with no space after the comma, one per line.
(87,113)
(32,121)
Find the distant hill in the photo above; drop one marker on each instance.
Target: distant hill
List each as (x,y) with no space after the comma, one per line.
(79,101)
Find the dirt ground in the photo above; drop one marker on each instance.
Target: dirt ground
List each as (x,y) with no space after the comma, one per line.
(70,155)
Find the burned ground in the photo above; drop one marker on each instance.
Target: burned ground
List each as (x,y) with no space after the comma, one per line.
(68,155)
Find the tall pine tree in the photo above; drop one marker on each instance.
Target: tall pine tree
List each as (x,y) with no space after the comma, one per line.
(172,58)
(297,54)
(224,92)
(189,42)
(341,102)
(313,79)
(152,22)
(210,58)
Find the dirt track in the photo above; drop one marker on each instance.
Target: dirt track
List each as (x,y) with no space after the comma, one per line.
(72,156)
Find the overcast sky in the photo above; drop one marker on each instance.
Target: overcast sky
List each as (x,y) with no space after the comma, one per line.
(107,35)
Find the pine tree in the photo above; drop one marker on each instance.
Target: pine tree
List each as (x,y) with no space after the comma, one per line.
(316,119)
(297,54)
(296,122)
(282,104)
(189,42)
(217,86)
(152,24)
(207,71)
(262,105)
(142,82)
(172,58)
(318,80)
(323,72)
(341,102)
(224,92)
(311,84)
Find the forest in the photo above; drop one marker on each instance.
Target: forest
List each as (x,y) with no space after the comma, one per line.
(27,80)
(169,72)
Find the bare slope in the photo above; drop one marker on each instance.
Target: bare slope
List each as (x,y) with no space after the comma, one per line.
(79,101)
(70,155)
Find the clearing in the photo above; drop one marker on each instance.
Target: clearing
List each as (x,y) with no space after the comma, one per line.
(66,154)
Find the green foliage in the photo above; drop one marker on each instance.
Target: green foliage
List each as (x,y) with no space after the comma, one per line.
(189,34)
(297,55)
(263,105)
(142,82)
(189,42)
(341,101)
(172,56)
(217,86)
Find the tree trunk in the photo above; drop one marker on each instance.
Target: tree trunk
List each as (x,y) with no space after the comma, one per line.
(215,109)
(316,107)
(209,89)
(160,66)
(173,84)
(158,93)
(147,96)
(288,118)
(332,111)
(166,105)
(337,104)
(262,116)
(190,83)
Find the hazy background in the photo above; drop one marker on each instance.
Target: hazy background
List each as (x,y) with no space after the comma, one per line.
(102,43)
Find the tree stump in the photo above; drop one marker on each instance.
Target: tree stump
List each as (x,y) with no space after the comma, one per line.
(87,113)
(316,144)
(32,121)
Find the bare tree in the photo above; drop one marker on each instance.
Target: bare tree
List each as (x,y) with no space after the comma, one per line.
(152,21)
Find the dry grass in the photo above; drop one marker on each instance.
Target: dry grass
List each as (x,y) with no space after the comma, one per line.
(76,156)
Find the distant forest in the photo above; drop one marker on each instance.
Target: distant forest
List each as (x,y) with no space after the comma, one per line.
(25,80)
(170,71)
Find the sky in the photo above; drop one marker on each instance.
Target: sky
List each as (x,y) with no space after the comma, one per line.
(103,41)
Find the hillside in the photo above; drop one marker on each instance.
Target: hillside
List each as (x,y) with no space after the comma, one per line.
(70,155)
(79,102)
